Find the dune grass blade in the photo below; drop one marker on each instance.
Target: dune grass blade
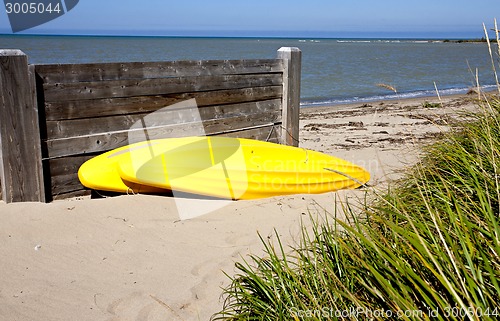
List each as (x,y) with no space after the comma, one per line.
(491,54)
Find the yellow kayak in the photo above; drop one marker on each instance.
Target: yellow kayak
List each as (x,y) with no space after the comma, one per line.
(235,168)
(101,173)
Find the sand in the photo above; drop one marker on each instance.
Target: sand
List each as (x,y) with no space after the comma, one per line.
(132,258)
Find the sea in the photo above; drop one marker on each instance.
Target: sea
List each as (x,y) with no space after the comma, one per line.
(334,71)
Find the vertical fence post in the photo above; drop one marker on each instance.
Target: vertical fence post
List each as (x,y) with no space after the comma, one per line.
(292,61)
(20,146)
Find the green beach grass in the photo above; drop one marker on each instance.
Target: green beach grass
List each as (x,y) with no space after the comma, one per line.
(428,248)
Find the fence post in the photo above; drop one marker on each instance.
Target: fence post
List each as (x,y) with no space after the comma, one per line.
(21,171)
(292,61)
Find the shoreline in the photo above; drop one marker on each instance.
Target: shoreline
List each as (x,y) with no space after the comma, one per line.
(446,101)
(455,92)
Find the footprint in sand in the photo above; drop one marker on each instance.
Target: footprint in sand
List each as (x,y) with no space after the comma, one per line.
(210,276)
(139,306)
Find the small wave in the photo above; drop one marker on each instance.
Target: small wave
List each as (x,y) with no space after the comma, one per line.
(405,95)
(353,41)
(389,41)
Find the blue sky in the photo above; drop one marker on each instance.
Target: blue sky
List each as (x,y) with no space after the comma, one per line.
(293,18)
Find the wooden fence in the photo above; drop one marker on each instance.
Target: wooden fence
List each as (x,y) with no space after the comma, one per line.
(55,117)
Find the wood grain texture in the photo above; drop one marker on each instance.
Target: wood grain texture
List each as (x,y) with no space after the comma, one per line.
(163,117)
(76,109)
(110,140)
(292,60)
(155,86)
(68,73)
(73,194)
(21,158)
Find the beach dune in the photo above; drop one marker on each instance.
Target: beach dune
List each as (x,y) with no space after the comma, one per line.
(131,257)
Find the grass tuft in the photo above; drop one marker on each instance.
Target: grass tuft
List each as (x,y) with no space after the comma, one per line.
(427,104)
(388,87)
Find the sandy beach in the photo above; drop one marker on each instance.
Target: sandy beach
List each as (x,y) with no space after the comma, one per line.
(132,258)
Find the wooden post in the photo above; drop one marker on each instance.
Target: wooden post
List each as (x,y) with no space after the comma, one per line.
(21,171)
(292,57)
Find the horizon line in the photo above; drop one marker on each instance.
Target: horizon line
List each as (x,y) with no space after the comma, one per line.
(292,34)
(380,37)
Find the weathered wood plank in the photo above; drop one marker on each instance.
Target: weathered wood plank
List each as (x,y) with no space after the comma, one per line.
(64,174)
(64,184)
(291,94)
(160,86)
(107,141)
(143,104)
(73,194)
(163,117)
(129,88)
(67,73)
(268,133)
(20,150)
(238,123)
(220,112)
(68,165)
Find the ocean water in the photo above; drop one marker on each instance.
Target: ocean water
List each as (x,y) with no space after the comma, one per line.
(334,71)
